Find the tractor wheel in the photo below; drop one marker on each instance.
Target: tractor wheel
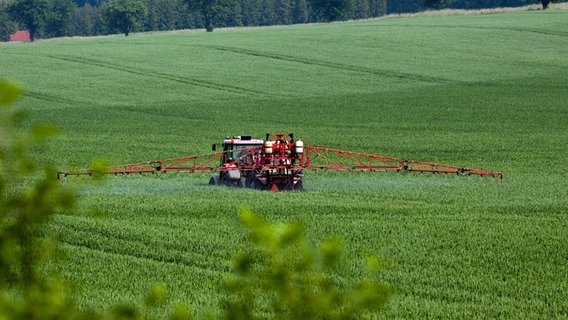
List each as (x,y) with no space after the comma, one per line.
(250,177)
(225,180)
(257,185)
(215,180)
(298,186)
(253,182)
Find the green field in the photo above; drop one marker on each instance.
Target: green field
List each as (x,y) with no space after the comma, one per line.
(484,91)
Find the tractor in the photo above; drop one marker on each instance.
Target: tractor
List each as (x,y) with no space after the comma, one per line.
(277,163)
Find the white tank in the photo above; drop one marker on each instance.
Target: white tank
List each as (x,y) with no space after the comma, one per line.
(268,147)
(234,174)
(299,146)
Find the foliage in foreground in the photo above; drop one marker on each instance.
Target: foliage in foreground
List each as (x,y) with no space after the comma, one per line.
(298,281)
(24,292)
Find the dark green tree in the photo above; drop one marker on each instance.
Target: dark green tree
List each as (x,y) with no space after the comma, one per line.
(59,23)
(248,13)
(283,11)
(377,8)
(361,9)
(7,26)
(331,10)
(87,21)
(434,4)
(31,15)
(163,14)
(267,13)
(94,3)
(230,16)
(208,10)
(545,4)
(300,13)
(400,6)
(125,15)
(481,4)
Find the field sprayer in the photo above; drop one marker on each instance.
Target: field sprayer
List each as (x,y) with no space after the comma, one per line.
(277,163)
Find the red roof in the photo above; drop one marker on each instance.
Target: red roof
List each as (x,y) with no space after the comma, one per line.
(21,35)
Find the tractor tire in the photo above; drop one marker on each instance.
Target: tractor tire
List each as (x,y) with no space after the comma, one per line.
(225,180)
(252,181)
(256,185)
(250,178)
(215,180)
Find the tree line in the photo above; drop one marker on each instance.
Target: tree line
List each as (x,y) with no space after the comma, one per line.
(409,6)
(61,18)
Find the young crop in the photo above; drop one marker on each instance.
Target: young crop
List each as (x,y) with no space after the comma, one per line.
(464,90)
(306,287)
(283,277)
(28,197)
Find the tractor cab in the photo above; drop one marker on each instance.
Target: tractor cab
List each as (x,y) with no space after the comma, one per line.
(240,149)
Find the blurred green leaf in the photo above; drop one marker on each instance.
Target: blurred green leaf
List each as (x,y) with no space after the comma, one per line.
(280,276)
(8,93)
(331,251)
(125,312)
(157,296)
(43,131)
(181,313)
(99,168)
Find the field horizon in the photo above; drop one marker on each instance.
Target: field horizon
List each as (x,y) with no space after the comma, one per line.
(485,91)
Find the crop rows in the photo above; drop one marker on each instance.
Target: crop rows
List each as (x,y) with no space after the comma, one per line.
(461,90)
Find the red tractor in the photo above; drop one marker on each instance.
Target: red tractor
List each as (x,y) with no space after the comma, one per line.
(277,163)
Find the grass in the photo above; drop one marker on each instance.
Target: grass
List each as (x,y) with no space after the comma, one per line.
(482,91)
